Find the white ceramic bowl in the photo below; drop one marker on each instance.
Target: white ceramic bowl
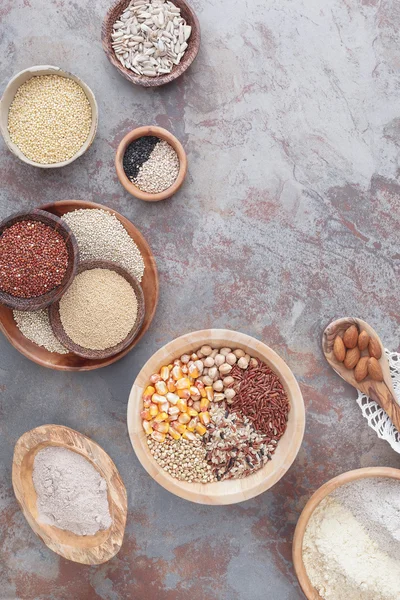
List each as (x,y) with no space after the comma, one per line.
(233,490)
(8,97)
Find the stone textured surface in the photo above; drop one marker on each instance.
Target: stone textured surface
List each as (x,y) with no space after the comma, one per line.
(289,217)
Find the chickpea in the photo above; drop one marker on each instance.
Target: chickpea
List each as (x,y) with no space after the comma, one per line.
(209,361)
(219,360)
(239,353)
(230,358)
(218,385)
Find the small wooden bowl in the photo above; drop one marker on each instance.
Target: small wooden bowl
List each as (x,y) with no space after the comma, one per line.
(72,362)
(234,490)
(8,97)
(326,489)
(89,549)
(191,52)
(58,329)
(172,141)
(39,302)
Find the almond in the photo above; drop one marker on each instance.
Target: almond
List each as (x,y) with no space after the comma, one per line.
(374,369)
(374,349)
(361,370)
(352,358)
(350,337)
(339,349)
(363,340)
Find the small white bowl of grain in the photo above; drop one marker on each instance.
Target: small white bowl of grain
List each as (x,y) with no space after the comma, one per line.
(48,117)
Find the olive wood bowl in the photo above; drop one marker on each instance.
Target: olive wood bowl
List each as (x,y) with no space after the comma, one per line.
(8,97)
(190,54)
(88,549)
(39,302)
(163,134)
(61,335)
(233,490)
(72,362)
(380,391)
(297,551)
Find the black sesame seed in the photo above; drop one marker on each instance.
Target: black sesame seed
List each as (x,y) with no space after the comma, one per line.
(137,153)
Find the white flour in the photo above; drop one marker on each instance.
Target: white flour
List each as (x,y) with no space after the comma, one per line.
(343,562)
(375,502)
(71,494)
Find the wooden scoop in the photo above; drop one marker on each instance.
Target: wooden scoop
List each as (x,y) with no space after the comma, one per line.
(380,391)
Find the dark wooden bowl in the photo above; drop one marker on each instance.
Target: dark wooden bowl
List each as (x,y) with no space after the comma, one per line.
(191,52)
(39,302)
(72,362)
(58,329)
(163,134)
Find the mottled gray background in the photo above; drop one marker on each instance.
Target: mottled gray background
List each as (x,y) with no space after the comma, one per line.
(289,217)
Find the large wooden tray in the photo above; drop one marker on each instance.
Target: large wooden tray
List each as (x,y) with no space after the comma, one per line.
(71,362)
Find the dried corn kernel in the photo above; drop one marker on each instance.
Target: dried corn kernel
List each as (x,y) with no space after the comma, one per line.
(197,405)
(201,429)
(181,404)
(164,407)
(205,417)
(185,394)
(153,410)
(184,418)
(161,427)
(162,416)
(194,392)
(179,427)
(204,404)
(157,398)
(172,418)
(154,378)
(159,437)
(161,388)
(183,383)
(191,412)
(191,426)
(174,434)
(148,392)
(185,369)
(209,392)
(170,366)
(164,373)
(145,414)
(173,410)
(146,403)
(147,427)
(171,385)
(176,372)
(188,435)
(193,371)
(172,398)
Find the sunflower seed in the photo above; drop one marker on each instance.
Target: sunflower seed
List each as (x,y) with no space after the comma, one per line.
(150,36)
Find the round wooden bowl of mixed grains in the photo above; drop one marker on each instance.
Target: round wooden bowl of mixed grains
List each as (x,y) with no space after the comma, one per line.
(151,163)
(172,39)
(48,117)
(216,417)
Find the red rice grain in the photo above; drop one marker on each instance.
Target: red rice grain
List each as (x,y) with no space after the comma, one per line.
(261,397)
